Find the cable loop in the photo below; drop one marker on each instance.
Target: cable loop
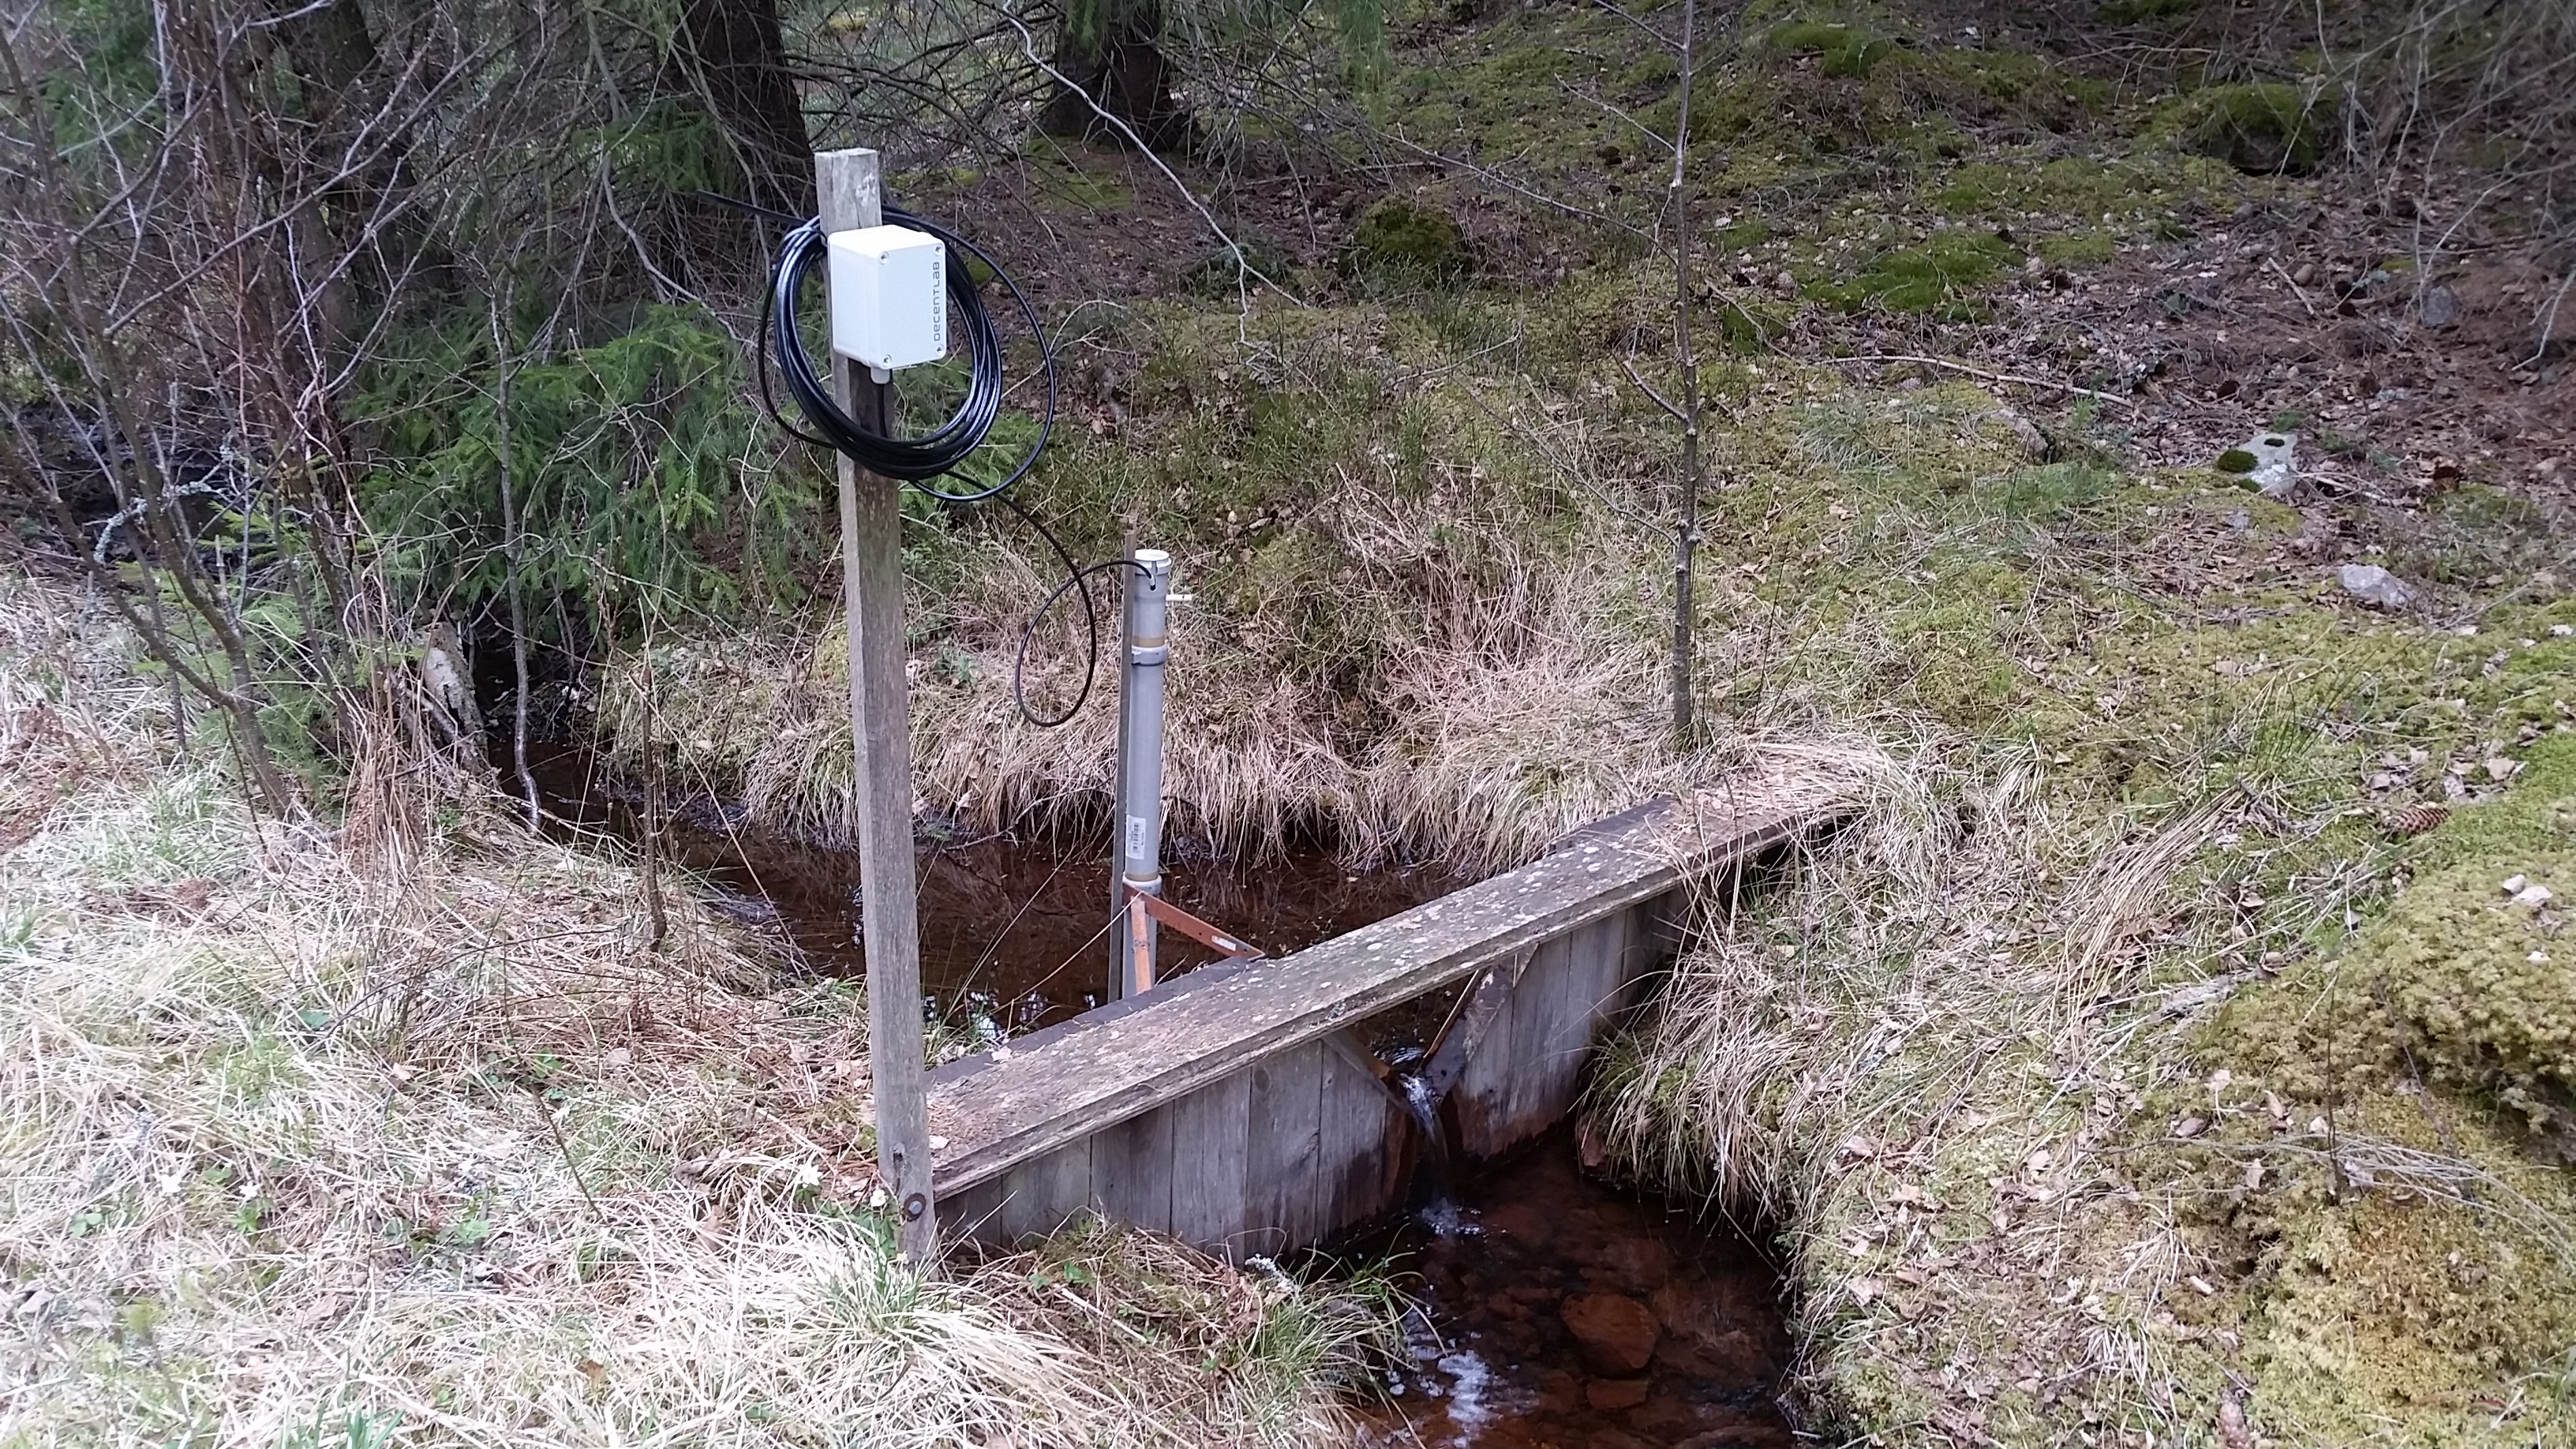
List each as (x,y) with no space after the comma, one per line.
(915,461)
(941,451)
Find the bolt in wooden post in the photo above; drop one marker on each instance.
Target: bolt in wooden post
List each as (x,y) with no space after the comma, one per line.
(846,182)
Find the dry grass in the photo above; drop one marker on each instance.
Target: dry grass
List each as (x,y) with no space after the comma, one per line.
(1949,1059)
(1896,1058)
(294,1151)
(1520,700)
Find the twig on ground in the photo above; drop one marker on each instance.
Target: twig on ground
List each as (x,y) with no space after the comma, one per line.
(2275,264)
(1989,374)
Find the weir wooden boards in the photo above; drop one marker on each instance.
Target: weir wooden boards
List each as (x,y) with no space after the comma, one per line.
(1226,1107)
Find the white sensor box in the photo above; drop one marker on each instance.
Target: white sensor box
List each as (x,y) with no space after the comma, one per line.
(889,296)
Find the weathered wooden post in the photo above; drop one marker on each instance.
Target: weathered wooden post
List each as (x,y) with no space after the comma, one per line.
(846,183)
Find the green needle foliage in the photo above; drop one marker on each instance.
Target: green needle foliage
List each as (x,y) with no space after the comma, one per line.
(636,469)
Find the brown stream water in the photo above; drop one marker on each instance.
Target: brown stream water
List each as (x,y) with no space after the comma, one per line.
(1013,933)
(1560,1312)
(1557,1312)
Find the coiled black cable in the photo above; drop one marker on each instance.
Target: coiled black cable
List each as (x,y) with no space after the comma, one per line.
(917,460)
(934,454)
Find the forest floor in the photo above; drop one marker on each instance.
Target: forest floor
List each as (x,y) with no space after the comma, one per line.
(2176,1051)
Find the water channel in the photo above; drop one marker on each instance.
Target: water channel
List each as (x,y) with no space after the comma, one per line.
(1557,1311)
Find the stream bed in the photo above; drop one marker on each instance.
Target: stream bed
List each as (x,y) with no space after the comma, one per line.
(1561,1312)
(1555,1310)
(1013,932)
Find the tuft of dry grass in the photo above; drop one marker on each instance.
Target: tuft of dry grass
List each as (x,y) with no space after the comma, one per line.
(1518,700)
(1889,1059)
(303,1139)
(1952,1060)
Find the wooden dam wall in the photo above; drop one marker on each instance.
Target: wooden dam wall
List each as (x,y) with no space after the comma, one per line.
(1235,1108)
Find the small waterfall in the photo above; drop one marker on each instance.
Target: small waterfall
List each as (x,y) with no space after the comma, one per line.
(1432,1174)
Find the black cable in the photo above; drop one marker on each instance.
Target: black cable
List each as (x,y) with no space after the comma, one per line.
(917,460)
(941,451)
(1076,577)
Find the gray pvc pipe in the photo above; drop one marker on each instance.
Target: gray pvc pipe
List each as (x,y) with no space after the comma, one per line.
(1140,813)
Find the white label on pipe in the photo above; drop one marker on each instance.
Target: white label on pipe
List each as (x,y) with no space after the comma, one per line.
(1135,836)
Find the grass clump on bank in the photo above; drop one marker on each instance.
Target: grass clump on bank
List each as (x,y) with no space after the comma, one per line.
(418,1130)
(1963,1057)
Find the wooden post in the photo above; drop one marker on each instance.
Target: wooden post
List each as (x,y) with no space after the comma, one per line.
(846,183)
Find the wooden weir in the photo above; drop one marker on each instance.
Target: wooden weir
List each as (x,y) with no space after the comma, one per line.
(1234,1108)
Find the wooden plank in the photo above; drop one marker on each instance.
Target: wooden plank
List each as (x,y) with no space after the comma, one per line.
(1044,1193)
(1360,1167)
(1064,1184)
(1654,934)
(1561,1023)
(1282,1139)
(1489,998)
(1131,1171)
(996,1113)
(976,1213)
(1208,1162)
(1530,1067)
(1480,1103)
(1023,1203)
(1668,918)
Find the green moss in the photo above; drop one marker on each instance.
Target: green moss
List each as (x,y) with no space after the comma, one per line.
(1061,173)
(2083,249)
(1919,279)
(2469,534)
(2053,491)
(2384,1304)
(2261,128)
(2084,188)
(2456,980)
(1405,240)
(2236,460)
(2486,984)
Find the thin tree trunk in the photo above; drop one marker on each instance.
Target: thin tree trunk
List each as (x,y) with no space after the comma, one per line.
(510,562)
(1686,537)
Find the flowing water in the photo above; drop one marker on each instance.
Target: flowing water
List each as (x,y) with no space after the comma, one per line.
(1559,1312)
